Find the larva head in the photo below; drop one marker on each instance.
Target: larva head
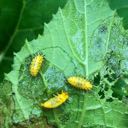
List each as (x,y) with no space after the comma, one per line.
(63,95)
(71,80)
(47,104)
(88,86)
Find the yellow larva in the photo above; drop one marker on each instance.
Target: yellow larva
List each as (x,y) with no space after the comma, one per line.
(36,65)
(56,101)
(79,82)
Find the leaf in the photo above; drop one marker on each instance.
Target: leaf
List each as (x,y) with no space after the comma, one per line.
(121,6)
(6,104)
(20,20)
(79,41)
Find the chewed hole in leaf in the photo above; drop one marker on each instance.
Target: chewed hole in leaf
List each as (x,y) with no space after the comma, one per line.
(120,89)
(97,79)
(101,94)
(109,100)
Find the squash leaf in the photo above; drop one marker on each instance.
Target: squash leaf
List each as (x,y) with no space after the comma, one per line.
(84,39)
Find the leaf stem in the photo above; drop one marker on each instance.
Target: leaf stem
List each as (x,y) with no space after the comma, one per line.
(45,82)
(56,120)
(109,33)
(68,40)
(86,60)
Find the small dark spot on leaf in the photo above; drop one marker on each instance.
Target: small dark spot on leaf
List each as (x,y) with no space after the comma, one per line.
(13,93)
(102,29)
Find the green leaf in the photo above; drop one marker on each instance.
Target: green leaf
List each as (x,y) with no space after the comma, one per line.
(6,104)
(20,20)
(121,6)
(85,39)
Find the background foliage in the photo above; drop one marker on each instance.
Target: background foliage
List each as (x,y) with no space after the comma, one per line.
(122,8)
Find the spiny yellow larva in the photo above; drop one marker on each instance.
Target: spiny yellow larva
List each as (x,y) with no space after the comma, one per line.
(36,65)
(79,82)
(56,101)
